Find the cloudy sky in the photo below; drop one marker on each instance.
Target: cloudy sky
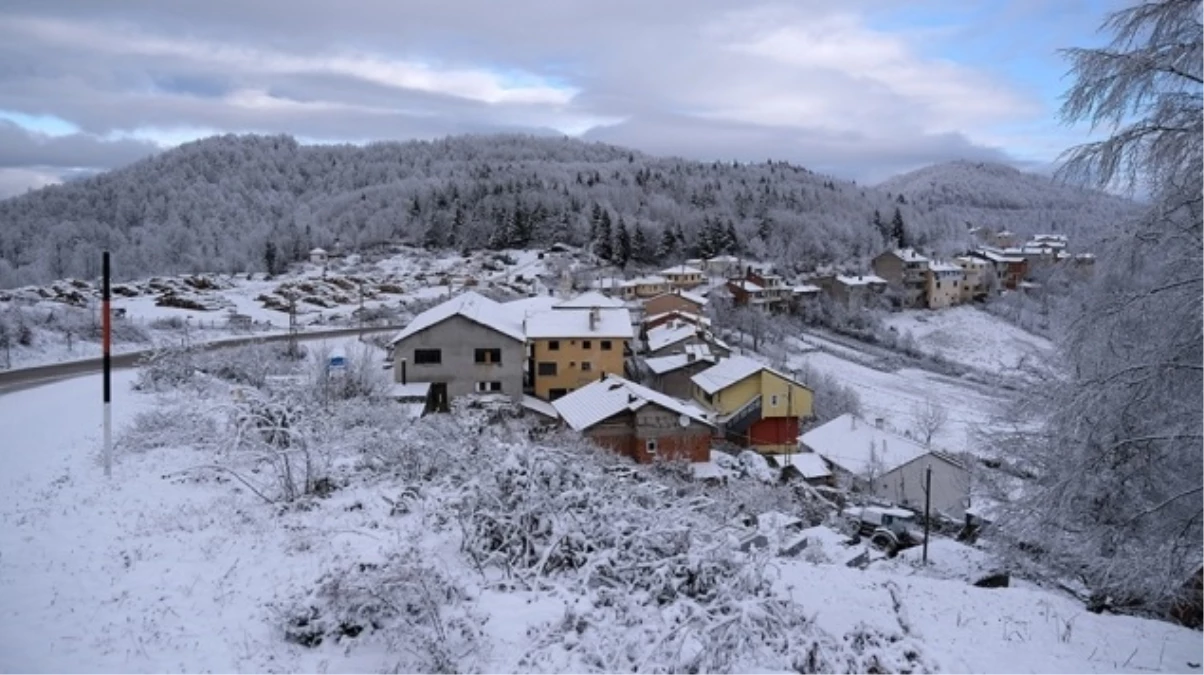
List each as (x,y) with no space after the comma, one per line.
(862,89)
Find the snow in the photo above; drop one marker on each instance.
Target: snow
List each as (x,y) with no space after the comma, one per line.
(540,406)
(809,464)
(603,399)
(681,270)
(666,335)
(730,371)
(588,300)
(649,280)
(527,306)
(806,288)
(576,323)
(695,319)
(667,364)
(409,390)
(859,280)
(969,336)
(909,255)
(944,267)
(748,286)
(470,305)
(859,447)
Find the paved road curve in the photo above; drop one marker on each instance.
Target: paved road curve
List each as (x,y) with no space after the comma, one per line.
(24,378)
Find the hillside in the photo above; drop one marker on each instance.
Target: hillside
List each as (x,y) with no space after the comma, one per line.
(215,205)
(1002,197)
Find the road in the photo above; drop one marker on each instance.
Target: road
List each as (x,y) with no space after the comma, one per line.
(25,378)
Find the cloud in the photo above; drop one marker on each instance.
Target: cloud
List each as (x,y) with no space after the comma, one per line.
(20,148)
(17,181)
(821,84)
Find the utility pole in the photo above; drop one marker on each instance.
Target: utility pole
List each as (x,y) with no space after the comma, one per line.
(361,322)
(927,507)
(292,326)
(106,328)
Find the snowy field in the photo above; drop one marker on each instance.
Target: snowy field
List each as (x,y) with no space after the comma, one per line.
(971,337)
(164,570)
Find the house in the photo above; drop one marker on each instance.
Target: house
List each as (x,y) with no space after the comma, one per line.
(906,270)
(854,292)
(1010,270)
(807,466)
(945,283)
(318,256)
(774,290)
(676,299)
(756,406)
(803,296)
(1084,265)
(643,287)
(466,345)
(727,266)
(655,320)
(672,374)
(1004,239)
(675,336)
(979,277)
(569,348)
(869,458)
(745,292)
(683,276)
(637,422)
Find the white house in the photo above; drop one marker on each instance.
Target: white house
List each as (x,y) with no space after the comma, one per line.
(318,256)
(870,458)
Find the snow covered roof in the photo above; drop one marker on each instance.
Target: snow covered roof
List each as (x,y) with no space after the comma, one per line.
(681,269)
(602,399)
(317,250)
(651,280)
(723,259)
(859,280)
(667,364)
(669,334)
(806,288)
(409,390)
(748,286)
(589,299)
(860,447)
(540,406)
(909,255)
(728,372)
(944,267)
(997,256)
(969,260)
(575,323)
(692,297)
(691,317)
(705,470)
(809,464)
(472,306)
(1050,237)
(525,306)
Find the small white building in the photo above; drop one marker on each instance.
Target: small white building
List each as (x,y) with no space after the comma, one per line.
(870,458)
(318,256)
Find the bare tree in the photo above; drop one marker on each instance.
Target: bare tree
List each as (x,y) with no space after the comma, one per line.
(927,420)
(1116,466)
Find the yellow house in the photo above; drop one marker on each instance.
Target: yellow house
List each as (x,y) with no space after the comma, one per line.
(945,282)
(975,271)
(684,276)
(569,348)
(755,405)
(644,287)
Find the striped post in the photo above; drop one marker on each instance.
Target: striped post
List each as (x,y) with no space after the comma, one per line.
(106,327)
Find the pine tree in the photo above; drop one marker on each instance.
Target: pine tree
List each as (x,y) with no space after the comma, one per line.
(595,222)
(668,245)
(641,250)
(731,241)
(269,256)
(603,247)
(622,244)
(765,228)
(457,227)
(433,237)
(897,231)
(878,224)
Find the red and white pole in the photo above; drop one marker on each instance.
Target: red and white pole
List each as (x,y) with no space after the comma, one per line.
(106,327)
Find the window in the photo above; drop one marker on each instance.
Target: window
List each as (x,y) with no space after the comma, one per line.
(488,355)
(606,345)
(586,344)
(586,366)
(553,345)
(546,368)
(427,357)
(650,446)
(483,387)
(773,401)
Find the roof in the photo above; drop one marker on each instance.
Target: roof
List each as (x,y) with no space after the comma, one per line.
(540,406)
(667,364)
(575,323)
(970,260)
(317,250)
(669,334)
(724,259)
(859,280)
(602,399)
(681,269)
(860,447)
(727,372)
(747,286)
(944,267)
(646,280)
(472,306)
(409,390)
(996,256)
(589,299)
(909,255)
(697,319)
(525,306)
(695,298)
(809,464)
(806,288)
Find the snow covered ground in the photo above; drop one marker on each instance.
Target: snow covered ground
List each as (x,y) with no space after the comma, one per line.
(164,570)
(971,337)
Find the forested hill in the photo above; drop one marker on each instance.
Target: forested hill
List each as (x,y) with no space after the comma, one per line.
(218,204)
(1002,197)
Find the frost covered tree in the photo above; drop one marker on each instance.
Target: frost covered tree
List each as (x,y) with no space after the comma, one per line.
(1116,498)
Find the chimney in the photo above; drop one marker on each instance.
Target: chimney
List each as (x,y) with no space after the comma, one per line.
(593,318)
(403,371)
(879,422)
